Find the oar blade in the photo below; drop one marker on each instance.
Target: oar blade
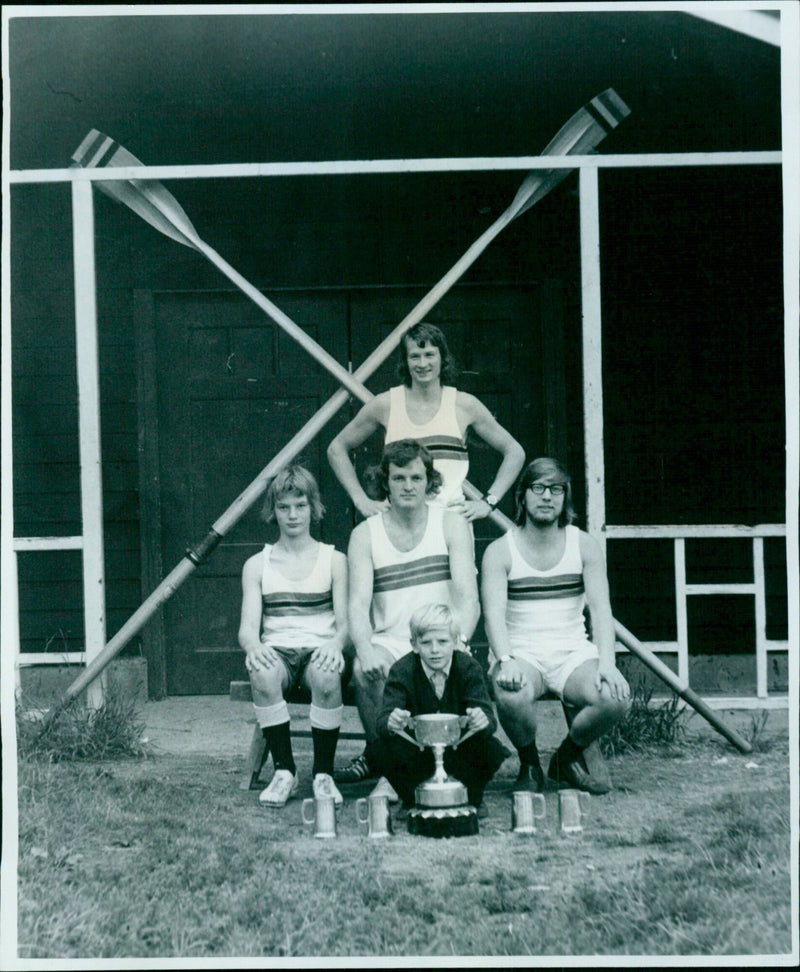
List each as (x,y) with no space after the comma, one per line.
(580,135)
(148,198)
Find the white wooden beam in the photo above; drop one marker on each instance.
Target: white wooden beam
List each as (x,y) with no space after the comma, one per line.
(592,354)
(22,544)
(709,531)
(523,163)
(94,601)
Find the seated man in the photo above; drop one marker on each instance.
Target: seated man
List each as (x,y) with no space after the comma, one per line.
(293,628)
(413,554)
(437,678)
(535,583)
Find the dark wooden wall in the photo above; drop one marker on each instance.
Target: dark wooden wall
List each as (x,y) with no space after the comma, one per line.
(692,351)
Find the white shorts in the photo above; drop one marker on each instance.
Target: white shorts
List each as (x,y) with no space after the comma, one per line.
(559,662)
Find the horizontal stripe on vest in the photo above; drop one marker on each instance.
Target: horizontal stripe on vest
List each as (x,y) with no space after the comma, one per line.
(426,570)
(445,446)
(566,585)
(291,603)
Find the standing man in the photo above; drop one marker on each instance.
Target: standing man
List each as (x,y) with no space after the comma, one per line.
(437,416)
(293,628)
(536,581)
(415,553)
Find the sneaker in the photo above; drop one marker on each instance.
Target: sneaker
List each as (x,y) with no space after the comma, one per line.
(323,785)
(574,774)
(355,771)
(385,788)
(283,785)
(530,778)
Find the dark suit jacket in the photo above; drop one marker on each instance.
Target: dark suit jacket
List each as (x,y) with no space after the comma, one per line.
(407,687)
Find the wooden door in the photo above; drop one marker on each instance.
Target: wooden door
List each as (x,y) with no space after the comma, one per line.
(232,390)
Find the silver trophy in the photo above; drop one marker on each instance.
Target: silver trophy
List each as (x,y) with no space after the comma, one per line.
(442,808)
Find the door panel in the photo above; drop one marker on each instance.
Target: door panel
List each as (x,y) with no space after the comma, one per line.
(233,389)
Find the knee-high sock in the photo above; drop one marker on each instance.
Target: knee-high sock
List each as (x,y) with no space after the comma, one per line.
(325,725)
(274,722)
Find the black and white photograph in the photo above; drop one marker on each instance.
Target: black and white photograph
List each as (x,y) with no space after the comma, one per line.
(400,467)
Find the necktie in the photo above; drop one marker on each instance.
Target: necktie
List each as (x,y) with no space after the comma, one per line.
(437,680)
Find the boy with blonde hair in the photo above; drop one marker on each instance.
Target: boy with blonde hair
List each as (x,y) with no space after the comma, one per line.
(434,677)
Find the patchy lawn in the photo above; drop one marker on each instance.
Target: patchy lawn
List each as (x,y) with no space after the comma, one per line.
(166,856)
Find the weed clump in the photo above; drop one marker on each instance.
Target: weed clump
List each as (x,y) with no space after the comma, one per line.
(645,726)
(111,731)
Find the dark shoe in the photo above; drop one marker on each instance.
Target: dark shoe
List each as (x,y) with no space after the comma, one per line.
(355,771)
(482,811)
(573,773)
(530,778)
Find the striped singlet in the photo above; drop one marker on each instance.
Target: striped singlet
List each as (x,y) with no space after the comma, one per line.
(297,614)
(545,607)
(440,435)
(404,581)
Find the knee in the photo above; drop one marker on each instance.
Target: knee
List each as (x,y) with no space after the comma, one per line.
(266,681)
(513,702)
(324,686)
(613,710)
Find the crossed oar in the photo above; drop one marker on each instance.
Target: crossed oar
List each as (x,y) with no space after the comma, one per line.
(155,204)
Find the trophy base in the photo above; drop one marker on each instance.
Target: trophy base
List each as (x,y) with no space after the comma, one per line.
(434,796)
(443,822)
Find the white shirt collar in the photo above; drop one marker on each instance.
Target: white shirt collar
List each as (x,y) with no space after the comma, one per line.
(429,671)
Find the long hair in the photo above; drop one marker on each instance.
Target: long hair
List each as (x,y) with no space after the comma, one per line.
(535,470)
(432,616)
(401,453)
(293,479)
(421,334)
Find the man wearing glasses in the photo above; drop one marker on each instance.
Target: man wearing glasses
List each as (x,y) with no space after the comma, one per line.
(536,581)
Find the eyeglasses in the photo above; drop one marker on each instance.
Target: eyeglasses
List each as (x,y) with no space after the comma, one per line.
(556,489)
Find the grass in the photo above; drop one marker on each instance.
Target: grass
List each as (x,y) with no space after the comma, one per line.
(646,726)
(111,731)
(167,857)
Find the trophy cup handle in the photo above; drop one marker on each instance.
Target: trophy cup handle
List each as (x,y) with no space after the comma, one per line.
(463,721)
(405,735)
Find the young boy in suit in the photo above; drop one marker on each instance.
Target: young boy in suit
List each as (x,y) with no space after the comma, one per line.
(434,677)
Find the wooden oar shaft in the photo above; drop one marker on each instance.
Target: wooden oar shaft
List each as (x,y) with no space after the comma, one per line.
(316,350)
(655,664)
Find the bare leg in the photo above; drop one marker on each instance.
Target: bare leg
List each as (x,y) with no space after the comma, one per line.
(597,711)
(516,710)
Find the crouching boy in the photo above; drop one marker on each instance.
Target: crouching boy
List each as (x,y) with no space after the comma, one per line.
(436,678)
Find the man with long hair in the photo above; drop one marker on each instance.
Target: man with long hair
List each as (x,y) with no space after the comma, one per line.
(428,408)
(536,581)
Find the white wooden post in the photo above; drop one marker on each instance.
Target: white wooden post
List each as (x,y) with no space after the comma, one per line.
(94,599)
(592,355)
(681,614)
(759,581)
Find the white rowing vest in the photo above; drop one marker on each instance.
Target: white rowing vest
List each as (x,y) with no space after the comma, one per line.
(405,581)
(440,435)
(546,605)
(297,614)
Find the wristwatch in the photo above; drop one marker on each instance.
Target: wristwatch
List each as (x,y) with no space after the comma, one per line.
(491,499)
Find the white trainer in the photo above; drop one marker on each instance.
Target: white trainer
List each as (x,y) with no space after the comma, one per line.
(282,787)
(323,786)
(385,788)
